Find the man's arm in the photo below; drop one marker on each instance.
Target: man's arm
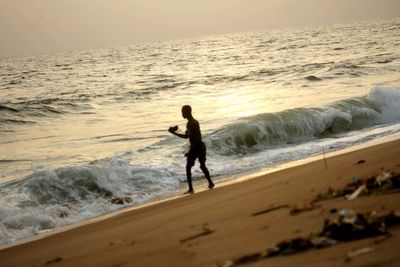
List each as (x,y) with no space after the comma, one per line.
(173,131)
(185,135)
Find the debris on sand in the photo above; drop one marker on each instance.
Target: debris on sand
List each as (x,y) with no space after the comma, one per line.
(357,192)
(352,226)
(358,252)
(347,227)
(384,183)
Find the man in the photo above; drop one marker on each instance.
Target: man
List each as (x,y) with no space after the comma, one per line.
(197,147)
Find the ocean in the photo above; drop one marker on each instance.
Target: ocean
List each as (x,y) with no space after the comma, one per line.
(79,128)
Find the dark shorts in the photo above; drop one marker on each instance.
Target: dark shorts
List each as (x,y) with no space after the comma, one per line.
(196,152)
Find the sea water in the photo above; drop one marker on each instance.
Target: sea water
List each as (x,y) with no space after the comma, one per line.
(77,128)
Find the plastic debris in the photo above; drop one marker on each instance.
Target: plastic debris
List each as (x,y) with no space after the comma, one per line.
(348,216)
(357,192)
(385,182)
(359,252)
(384,176)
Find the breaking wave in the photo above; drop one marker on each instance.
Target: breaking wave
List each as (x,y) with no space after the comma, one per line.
(52,198)
(261,131)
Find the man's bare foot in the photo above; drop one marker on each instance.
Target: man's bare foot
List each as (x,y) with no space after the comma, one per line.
(211,186)
(189,192)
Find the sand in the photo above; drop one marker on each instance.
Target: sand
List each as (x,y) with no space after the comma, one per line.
(212,227)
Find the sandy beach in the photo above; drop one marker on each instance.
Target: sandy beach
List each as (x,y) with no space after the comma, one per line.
(215,227)
(289,111)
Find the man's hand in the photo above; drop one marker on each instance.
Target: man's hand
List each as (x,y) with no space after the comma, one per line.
(173,129)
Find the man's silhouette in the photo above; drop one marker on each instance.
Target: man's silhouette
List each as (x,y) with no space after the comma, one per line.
(197,147)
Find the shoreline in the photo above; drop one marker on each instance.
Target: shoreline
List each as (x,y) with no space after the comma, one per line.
(237,178)
(247,189)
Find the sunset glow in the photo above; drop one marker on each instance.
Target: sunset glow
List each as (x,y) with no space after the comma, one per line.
(30,26)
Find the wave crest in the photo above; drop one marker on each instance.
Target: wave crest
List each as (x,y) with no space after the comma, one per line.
(303,124)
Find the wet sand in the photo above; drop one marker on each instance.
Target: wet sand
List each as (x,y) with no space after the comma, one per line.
(212,227)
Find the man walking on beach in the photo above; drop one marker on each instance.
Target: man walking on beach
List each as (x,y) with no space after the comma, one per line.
(197,147)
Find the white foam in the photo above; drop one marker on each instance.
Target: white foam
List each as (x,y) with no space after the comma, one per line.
(389,99)
(53,198)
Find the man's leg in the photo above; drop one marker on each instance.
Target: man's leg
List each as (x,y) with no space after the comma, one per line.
(207,175)
(189,165)
(203,167)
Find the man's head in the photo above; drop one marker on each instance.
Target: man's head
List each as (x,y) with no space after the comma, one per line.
(186,111)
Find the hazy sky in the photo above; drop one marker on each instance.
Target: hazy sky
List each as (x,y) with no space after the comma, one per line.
(41,26)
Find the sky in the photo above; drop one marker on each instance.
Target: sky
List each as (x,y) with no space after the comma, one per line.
(44,26)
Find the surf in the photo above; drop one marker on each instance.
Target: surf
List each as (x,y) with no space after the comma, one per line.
(293,126)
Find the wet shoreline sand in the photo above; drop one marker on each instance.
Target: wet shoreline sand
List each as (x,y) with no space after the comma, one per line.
(214,227)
